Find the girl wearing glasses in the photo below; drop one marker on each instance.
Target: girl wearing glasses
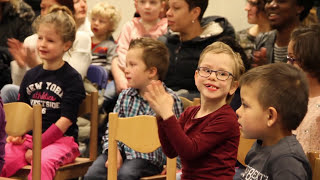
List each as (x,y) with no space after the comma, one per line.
(205,137)
(303,52)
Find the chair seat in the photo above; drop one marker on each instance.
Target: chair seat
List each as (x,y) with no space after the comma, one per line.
(81,164)
(155,177)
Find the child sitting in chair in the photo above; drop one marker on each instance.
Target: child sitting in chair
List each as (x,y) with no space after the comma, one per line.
(147,60)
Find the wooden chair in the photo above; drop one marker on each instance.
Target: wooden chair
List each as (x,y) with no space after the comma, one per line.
(243,149)
(81,165)
(139,133)
(314,159)
(21,118)
(186,102)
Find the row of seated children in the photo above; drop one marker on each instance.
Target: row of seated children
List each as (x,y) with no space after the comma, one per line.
(216,87)
(199,70)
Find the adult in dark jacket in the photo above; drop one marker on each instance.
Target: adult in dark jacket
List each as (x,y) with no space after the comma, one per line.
(189,34)
(16,18)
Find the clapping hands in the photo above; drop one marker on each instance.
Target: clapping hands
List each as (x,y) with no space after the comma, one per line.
(24,56)
(160,101)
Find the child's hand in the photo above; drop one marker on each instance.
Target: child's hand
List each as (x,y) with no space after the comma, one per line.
(24,56)
(28,156)
(15,140)
(160,101)
(119,160)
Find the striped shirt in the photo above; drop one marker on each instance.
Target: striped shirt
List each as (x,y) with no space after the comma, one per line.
(130,103)
(280,53)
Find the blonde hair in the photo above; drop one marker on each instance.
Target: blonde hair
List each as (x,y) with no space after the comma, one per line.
(61,17)
(222,48)
(108,12)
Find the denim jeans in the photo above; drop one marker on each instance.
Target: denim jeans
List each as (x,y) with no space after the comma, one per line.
(131,169)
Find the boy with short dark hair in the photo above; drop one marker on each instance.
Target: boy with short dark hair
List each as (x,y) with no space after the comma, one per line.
(146,60)
(274,101)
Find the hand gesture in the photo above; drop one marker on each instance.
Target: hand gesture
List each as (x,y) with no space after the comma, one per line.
(160,101)
(259,57)
(24,56)
(15,140)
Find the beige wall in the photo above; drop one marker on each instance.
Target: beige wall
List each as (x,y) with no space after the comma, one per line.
(233,10)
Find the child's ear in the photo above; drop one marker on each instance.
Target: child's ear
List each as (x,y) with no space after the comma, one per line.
(153,72)
(272,116)
(67,45)
(233,88)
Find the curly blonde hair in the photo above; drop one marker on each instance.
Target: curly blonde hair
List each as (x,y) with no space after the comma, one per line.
(109,12)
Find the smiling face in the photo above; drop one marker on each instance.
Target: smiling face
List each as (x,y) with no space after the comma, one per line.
(149,10)
(252,117)
(282,13)
(179,16)
(211,88)
(50,45)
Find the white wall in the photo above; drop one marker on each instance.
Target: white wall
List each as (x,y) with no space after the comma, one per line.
(233,10)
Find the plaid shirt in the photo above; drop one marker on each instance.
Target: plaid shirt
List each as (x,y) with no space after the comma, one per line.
(130,103)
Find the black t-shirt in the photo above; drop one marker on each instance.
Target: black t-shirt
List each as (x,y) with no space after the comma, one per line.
(59,92)
(284,160)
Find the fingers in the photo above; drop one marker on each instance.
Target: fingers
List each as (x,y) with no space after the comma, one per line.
(9,139)
(106,164)
(263,52)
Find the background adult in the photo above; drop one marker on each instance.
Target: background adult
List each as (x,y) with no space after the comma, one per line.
(257,16)
(284,16)
(189,34)
(15,22)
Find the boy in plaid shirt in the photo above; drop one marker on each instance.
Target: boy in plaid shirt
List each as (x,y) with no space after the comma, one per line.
(147,60)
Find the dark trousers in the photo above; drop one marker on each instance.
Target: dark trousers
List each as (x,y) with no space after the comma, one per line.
(131,169)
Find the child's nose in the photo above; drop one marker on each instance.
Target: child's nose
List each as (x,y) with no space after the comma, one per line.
(147,5)
(169,13)
(213,76)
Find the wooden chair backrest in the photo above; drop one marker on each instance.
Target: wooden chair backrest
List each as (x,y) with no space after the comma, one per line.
(21,118)
(314,159)
(90,105)
(139,133)
(186,102)
(243,149)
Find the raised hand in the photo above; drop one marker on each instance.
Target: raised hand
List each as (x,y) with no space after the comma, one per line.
(24,56)
(160,101)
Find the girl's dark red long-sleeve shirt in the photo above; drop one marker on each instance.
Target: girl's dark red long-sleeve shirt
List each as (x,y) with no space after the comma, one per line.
(207,146)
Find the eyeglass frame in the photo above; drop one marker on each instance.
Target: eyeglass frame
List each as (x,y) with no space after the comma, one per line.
(291,59)
(211,71)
